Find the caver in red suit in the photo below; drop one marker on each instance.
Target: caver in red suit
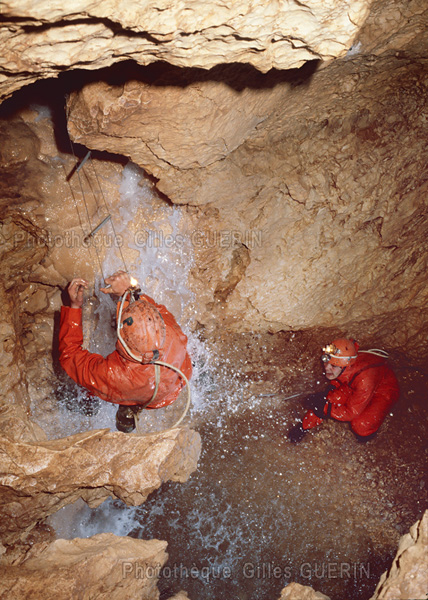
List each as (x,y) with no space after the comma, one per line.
(119,378)
(364,390)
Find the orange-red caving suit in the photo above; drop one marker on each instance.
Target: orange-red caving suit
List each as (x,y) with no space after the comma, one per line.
(364,394)
(123,380)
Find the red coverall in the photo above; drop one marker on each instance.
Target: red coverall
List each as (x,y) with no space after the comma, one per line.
(364,394)
(118,378)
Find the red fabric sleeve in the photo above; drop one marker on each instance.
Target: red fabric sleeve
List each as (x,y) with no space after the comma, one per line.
(116,378)
(340,395)
(85,368)
(347,402)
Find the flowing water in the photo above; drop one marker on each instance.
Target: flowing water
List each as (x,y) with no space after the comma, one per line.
(259,512)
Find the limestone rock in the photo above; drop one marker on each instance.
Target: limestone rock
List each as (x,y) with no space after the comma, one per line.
(103,566)
(321,183)
(407,577)
(40,40)
(40,478)
(393,24)
(296,591)
(16,425)
(16,259)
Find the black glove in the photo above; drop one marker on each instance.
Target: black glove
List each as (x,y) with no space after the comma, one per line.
(296,433)
(316,403)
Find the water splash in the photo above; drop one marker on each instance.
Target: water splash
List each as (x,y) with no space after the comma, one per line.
(257,503)
(155,246)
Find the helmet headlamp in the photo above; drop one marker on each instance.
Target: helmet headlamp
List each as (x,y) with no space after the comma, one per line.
(330,349)
(340,351)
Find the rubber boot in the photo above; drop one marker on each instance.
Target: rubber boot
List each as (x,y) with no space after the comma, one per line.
(125,419)
(363,439)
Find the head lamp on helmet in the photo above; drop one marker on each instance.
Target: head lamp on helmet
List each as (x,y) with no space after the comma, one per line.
(340,353)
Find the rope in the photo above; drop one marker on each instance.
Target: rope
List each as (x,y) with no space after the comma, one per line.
(74,200)
(154,362)
(108,210)
(86,208)
(88,155)
(189,396)
(376,352)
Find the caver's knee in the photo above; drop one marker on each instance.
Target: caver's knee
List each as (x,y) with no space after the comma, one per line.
(364,428)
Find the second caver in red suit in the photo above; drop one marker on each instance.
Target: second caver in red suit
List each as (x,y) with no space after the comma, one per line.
(365,389)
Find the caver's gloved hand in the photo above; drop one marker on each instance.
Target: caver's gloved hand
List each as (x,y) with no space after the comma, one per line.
(75,292)
(296,433)
(317,403)
(318,409)
(117,283)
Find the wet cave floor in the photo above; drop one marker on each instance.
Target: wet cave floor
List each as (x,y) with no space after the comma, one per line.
(261,512)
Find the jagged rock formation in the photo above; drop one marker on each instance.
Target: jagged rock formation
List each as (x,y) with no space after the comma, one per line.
(39,479)
(296,591)
(318,179)
(39,40)
(104,566)
(15,255)
(407,577)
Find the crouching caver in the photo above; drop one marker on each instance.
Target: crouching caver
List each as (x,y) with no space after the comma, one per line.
(363,389)
(147,332)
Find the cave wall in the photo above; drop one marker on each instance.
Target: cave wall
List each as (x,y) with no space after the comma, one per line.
(15,257)
(311,183)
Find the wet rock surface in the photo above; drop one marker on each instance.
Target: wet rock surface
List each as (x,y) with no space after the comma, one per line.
(104,566)
(295,591)
(407,577)
(40,478)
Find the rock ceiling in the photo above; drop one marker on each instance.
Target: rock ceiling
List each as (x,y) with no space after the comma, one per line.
(41,39)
